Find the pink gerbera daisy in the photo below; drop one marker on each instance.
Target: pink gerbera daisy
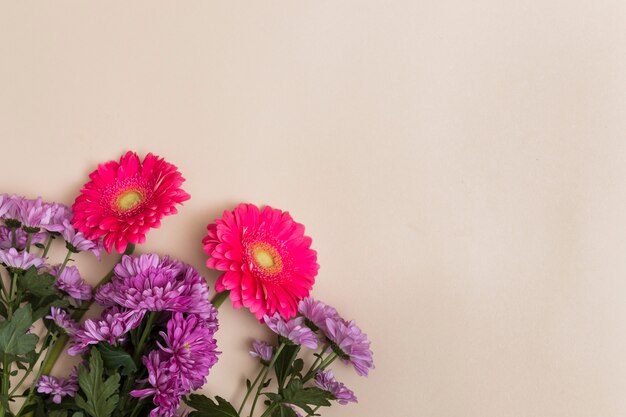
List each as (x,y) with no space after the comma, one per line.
(268,263)
(125,199)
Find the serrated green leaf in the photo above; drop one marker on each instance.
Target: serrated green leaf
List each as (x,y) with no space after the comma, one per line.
(14,339)
(100,396)
(116,357)
(302,397)
(206,407)
(40,285)
(284,411)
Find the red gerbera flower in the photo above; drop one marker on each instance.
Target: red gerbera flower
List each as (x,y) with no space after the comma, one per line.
(124,200)
(268,263)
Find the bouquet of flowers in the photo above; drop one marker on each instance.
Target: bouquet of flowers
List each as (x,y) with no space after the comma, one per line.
(154,341)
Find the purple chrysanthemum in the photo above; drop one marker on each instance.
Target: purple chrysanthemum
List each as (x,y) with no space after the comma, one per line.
(10,206)
(70,282)
(60,215)
(35,214)
(191,349)
(104,295)
(111,328)
(76,241)
(262,350)
(20,260)
(315,313)
(63,320)
(326,381)
(350,344)
(166,389)
(57,387)
(293,329)
(21,237)
(150,283)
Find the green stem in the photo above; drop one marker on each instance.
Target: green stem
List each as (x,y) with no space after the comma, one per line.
(65,261)
(327,361)
(269,410)
(219,298)
(39,373)
(267,370)
(314,410)
(249,391)
(14,237)
(137,407)
(57,348)
(12,291)
(29,239)
(48,246)
(144,336)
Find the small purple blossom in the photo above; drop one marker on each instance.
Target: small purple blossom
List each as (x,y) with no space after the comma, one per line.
(150,283)
(21,238)
(60,216)
(70,282)
(316,313)
(104,295)
(166,389)
(262,350)
(63,320)
(110,328)
(10,206)
(350,344)
(35,213)
(191,349)
(58,387)
(294,330)
(76,241)
(326,381)
(20,260)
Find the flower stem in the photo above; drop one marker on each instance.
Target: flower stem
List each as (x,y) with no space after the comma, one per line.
(39,373)
(219,298)
(65,261)
(57,348)
(249,391)
(144,336)
(269,410)
(267,370)
(48,246)
(29,239)
(327,361)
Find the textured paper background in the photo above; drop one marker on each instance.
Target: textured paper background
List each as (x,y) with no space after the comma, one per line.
(460,166)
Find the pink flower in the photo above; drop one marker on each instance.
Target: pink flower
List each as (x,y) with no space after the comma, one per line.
(165,387)
(71,282)
(268,263)
(125,199)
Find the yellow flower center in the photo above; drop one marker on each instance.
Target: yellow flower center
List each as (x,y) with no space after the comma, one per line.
(187,346)
(129,199)
(266,257)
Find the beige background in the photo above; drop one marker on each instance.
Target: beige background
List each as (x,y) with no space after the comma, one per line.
(460,166)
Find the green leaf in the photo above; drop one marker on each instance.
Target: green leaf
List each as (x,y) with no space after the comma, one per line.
(57,413)
(302,397)
(283,363)
(100,397)
(297,366)
(13,337)
(206,407)
(284,411)
(41,285)
(116,357)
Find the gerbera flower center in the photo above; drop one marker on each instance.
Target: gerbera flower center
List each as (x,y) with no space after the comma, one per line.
(266,257)
(129,199)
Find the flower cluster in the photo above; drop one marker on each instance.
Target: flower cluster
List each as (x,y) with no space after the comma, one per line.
(149,289)
(58,387)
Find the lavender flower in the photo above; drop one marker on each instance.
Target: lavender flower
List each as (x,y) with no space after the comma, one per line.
(63,320)
(315,313)
(166,389)
(76,241)
(21,237)
(10,206)
(71,283)
(60,216)
(150,283)
(326,381)
(191,349)
(111,328)
(57,387)
(35,214)
(19,261)
(262,350)
(295,330)
(104,295)
(350,344)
